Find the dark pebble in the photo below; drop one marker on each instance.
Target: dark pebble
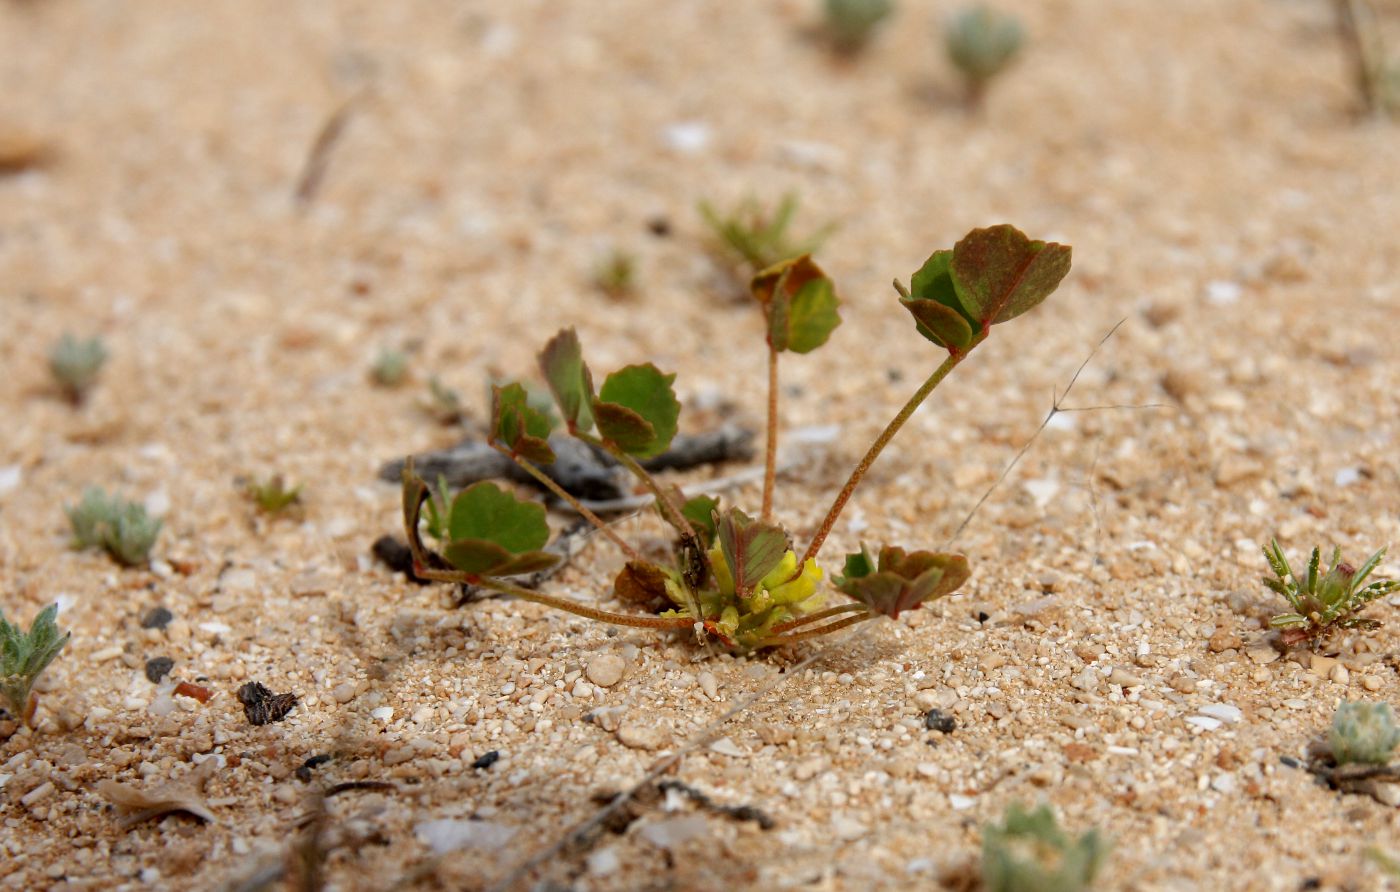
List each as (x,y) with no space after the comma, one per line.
(487,760)
(396,556)
(659,226)
(156,618)
(157,668)
(1290,761)
(304,772)
(938,720)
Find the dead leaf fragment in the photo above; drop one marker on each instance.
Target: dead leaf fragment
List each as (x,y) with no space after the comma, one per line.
(183,796)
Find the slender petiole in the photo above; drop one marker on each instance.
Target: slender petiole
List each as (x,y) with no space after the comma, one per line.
(605,616)
(828,613)
(880,443)
(777,640)
(770,462)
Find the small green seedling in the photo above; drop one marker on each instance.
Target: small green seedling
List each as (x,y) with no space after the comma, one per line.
(75,365)
(734,576)
(1323,602)
(761,238)
(1363,733)
(273,495)
(122,528)
(616,274)
(442,402)
(850,24)
(24,657)
(390,368)
(1029,852)
(981,43)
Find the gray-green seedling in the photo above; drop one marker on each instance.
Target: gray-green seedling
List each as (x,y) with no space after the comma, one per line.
(735,577)
(759,237)
(850,24)
(75,365)
(1363,733)
(390,367)
(1323,602)
(1029,852)
(122,528)
(273,495)
(23,658)
(981,44)
(616,274)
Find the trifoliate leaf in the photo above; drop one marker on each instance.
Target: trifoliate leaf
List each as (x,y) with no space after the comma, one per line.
(485,511)
(999,273)
(902,580)
(637,410)
(858,565)
(800,302)
(561,361)
(751,548)
(933,302)
(518,426)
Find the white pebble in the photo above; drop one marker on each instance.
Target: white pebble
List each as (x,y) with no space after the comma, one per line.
(605,670)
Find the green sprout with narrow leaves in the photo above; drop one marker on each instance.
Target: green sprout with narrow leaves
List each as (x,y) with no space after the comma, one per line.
(981,43)
(1323,602)
(273,495)
(23,658)
(616,274)
(850,24)
(1029,852)
(121,527)
(735,577)
(759,237)
(75,365)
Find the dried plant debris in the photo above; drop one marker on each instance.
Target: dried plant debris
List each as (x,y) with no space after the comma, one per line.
(183,796)
(582,471)
(703,801)
(261,706)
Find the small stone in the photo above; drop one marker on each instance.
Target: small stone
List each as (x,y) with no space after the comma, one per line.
(1223,783)
(1226,712)
(398,756)
(1321,666)
(670,833)
(605,670)
(603,862)
(1182,683)
(486,760)
(449,834)
(382,713)
(344,692)
(1223,640)
(157,668)
(1371,683)
(1204,722)
(938,720)
(1262,653)
(709,685)
(639,735)
(927,769)
(156,618)
(1235,469)
(1124,678)
(581,690)
(848,828)
(1339,675)
(1087,681)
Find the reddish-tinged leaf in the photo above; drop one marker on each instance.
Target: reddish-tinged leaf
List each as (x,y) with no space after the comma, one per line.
(484,511)
(646,396)
(519,427)
(999,273)
(751,548)
(904,580)
(800,302)
(640,582)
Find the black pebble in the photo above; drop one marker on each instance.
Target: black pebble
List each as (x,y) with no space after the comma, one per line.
(156,618)
(396,556)
(659,226)
(304,772)
(157,668)
(938,720)
(487,760)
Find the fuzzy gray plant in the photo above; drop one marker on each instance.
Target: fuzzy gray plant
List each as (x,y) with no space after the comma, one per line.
(24,656)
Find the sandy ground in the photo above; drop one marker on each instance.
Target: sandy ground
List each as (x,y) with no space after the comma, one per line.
(1204,162)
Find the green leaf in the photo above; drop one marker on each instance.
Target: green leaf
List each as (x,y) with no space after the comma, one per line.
(518,426)
(751,548)
(486,512)
(999,273)
(637,410)
(700,511)
(561,361)
(858,565)
(933,302)
(800,302)
(477,556)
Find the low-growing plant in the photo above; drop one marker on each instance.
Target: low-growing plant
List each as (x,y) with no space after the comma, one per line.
(273,495)
(23,658)
(442,402)
(759,237)
(1029,852)
(122,528)
(850,24)
(981,43)
(390,367)
(1375,71)
(735,577)
(1323,602)
(75,365)
(1363,733)
(616,274)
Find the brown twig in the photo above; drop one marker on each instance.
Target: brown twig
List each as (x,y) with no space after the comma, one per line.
(318,157)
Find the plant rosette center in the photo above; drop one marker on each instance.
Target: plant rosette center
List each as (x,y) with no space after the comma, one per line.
(746,619)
